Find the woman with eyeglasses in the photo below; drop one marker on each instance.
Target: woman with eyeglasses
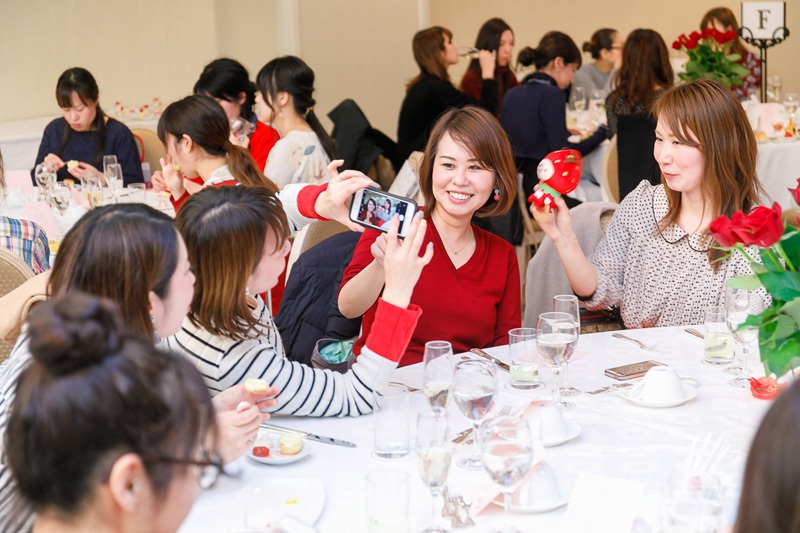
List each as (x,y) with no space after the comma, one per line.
(132,255)
(107,433)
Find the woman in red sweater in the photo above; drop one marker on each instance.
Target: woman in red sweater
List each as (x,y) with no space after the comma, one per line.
(498,37)
(469,293)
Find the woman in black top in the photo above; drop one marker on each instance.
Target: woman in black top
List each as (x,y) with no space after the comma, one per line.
(431,93)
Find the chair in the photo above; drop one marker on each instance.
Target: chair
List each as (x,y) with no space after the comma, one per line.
(309,236)
(150,147)
(13,273)
(609,181)
(532,236)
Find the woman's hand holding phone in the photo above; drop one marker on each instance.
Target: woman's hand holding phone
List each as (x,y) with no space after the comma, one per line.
(403,264)
(332,203)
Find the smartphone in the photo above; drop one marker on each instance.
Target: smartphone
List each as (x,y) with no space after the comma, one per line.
(373,208)
(632,371)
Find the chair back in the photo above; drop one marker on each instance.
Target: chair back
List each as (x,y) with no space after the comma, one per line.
(150,147)
(609,181)
(635,138)
(13,273)
(309,236)
(532,236)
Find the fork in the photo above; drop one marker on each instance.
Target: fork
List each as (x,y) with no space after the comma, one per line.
(629,339)
(409,389)
(505,410)
(611,387)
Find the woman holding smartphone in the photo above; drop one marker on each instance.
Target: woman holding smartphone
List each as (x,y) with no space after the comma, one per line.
(470,293)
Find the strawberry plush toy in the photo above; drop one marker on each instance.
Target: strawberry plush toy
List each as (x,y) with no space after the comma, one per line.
(559,173)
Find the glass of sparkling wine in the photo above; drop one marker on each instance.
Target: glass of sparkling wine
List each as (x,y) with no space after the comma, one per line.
(474,388)
(438,372)
(524,359)
(568,303)
(737,309)
(718,339)
(45,178)
(507,454)
(556,342)
(387,501)
(434,453)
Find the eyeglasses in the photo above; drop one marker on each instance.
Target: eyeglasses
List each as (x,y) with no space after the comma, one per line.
(209,468)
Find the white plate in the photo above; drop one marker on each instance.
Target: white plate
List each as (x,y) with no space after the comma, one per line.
(275,456)
(573,430)
(535,509)
(262,504)
(689,393)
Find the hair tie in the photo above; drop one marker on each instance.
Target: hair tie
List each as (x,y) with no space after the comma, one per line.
(226,145)
(309,110)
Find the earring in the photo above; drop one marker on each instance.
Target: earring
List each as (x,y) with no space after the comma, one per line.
(247,291)
(496,194)
(153,322)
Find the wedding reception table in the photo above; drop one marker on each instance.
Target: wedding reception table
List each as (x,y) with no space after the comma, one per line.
(618,441)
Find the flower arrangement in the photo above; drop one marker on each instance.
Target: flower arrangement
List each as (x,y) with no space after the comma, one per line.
(779,250)
(709,57)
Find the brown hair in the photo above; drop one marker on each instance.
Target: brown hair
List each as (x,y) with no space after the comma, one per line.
(479,133)
(554,44)
(203,120)
(645,68)
(602,39)
(428,45)
(727,19)
(225,229)
(704,108)
(769,501)
(120,252)
(92,393)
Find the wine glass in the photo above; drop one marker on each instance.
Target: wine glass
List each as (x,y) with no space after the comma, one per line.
(507,454)
(241,128)
(113,177)
(438,372)
(60,198)
(791,102)
(468,51)
(737,310)
(108,160)
(474,388)
(524,357)
(568,303)
(577,97)
(556,342)
(434,452)
(45,178)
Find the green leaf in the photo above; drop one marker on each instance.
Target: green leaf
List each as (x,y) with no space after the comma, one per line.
(758,268)
(749,283)
(784,285)
(769,260)
(733,57)
(778,357)
(792,309)
(791,245)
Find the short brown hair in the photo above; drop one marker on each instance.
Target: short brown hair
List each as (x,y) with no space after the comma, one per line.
(225,229)
(478,132)
(711,112)
(428,45)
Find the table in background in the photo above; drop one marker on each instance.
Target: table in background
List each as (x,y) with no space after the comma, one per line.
(618,439)
(778,168)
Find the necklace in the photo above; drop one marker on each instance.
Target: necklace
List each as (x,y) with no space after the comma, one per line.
(456,252)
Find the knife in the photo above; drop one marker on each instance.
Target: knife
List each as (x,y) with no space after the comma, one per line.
(498,362)
(306,434)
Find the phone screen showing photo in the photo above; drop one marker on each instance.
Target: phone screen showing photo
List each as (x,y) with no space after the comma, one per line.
(377,209)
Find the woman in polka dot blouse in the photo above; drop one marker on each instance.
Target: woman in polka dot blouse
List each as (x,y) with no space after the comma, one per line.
(657,260)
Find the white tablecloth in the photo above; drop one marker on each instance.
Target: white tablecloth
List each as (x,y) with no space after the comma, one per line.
(778,169)
(617,439)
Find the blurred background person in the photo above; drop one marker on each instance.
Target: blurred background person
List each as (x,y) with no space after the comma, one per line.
(723,19)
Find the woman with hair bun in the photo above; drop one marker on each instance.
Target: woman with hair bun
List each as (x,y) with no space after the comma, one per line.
(228,82)
(285,99)
(497,37)
(534,114)
(106,432)
(605,48)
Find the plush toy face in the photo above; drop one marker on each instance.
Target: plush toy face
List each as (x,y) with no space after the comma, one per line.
(561,170)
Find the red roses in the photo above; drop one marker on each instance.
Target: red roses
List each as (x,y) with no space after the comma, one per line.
(762,227)
(796,192)
(694,38)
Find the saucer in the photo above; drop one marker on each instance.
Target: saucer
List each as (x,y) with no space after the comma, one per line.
(573,430)
(535,509)
(689,392)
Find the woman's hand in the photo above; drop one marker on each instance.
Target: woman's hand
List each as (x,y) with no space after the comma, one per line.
(172,177)
(487,62)
(378,249)
(402,264)
(84,171)
(556,223)
(239,417)
(332,203)
(158,181)
(54,161)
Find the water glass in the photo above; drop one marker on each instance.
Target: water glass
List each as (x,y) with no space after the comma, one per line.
(437,372)
(568,303)
(137,193)
(387,501)
(474,389)
(391,422)
(434,453)
(737,310)
(45,179)
(718,339)
(524,359)
(60,198)
(556,342)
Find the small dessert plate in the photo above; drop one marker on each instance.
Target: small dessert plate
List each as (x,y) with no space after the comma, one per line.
(689,392)
(573,430)
(275,457)
(535,509)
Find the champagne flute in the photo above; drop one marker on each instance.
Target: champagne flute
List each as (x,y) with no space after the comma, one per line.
(474,388)
(568,303)
(737,310)
(555,342)
(507,454)
(109,160)
(434,452)
(113,176)
(438,372)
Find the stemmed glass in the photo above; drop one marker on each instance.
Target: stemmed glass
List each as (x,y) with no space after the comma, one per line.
(434,454)
(507,453)
(737,309)
(568,303)
(556,342)
(438,372)
(474,388)
(108,160)
(577,96)
(45,178)
(113,176)
(60,198)
(791,102)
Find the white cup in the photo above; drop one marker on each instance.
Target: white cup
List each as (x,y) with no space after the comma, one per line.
(660,384)
(538,489)
(553,425)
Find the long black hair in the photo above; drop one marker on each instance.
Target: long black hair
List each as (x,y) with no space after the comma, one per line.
(81,82)
(227,79)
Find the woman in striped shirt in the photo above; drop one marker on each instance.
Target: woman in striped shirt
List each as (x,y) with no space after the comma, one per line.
(237,242)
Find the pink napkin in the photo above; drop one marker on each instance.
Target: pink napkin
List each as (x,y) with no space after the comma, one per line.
(41,214)
(19,180)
